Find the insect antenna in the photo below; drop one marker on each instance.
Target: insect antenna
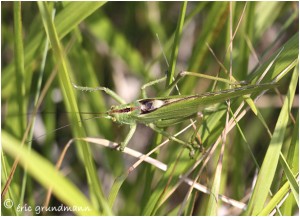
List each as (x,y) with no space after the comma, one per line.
(162,50)
(177,89)
(99,115)
(165,57)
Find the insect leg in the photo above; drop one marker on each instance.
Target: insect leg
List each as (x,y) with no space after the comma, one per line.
(185,73)
(195,138)
(128,137)
(105,89)
(188,145)
(143,88)
(233,81)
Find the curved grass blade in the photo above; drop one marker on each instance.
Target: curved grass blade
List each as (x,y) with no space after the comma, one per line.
(65,191)
(267,172)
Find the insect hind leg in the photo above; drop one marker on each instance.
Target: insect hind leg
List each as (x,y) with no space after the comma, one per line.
(173,138)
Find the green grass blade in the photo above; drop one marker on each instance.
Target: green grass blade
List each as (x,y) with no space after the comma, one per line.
(115,189)
(175,49)
(293,154)
(275,200)
(158,194)
(19,66)
(11,194)
(287,208)
(36,97)
(213,22)
(65,191)
(241,65)
(212,204)
(286,59)
(266,174)
(292,180)
(103,29)
(20,79)
(65,22)
(73,14)
(268,13)
(71,104)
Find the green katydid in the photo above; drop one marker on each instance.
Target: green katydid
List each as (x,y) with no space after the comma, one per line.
(163,111)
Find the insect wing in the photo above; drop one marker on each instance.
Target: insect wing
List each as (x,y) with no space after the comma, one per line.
(185,106)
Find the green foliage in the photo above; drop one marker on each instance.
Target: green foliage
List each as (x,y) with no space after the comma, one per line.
(47,45)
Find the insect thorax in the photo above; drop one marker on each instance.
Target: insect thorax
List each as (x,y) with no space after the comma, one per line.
(125,114)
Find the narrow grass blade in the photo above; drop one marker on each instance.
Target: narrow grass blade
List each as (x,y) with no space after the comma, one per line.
(241,66)
(279,196)
(65,22)
(19,66)
(73,14)
(20,79)
(268,12)
(5,170)
(71,104)
(115,190)
(41,170)
(266,174)
(212,204)
(286,59)
(175,49)
(213,23)
(287,208)
(104,29)
(292,180)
